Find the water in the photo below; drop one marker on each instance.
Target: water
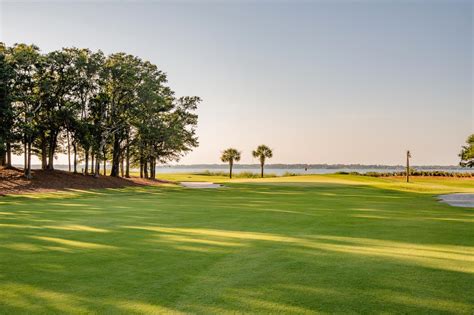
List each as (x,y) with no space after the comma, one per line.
(302,171)
(276,171)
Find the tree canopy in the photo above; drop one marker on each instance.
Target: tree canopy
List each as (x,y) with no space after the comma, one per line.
(467,153)
(115,108)
(230,155)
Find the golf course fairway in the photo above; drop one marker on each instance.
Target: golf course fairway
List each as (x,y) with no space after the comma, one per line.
(287,245)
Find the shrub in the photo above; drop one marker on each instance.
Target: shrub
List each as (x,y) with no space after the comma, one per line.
(244,174)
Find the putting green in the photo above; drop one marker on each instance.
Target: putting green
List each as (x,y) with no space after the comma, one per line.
(306,244)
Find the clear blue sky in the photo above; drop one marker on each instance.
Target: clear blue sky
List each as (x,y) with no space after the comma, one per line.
(318,81)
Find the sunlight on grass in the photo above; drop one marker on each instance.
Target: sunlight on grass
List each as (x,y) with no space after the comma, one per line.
(438,305)
(72,243)
(22,295)
(184,239)
(18,226)
(144,308)
(367,216)
(76,227)
(453,258)
(23,247)
(257,247)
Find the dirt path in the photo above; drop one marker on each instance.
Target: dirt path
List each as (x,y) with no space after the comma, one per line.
(13,182)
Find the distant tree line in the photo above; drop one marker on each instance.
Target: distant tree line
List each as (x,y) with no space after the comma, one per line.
(97,108)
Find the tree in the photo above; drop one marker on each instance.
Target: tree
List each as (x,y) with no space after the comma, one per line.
(6,110)
(87,66)
(230,155)
(26,63)
(122,81)
(59,109)
(115,108)
(262,152)
(467,153)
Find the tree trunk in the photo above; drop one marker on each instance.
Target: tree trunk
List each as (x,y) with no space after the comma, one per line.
(121,166)
(127,160)
(44,153)
(3,158)
(25,160)
(74,146)
(68,152)
(115,157)
(261,170)
(105,159)
(145,168)
(97,166)
(9,155)
(141,162)
(28,166)
(141,168)
(86,166)
(230,171)
(92,163)
(51,150)
(150,162)
(152,168)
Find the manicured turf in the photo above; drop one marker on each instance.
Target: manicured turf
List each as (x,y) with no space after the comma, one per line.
(309,244)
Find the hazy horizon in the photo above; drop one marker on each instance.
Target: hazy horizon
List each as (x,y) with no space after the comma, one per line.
(319,82)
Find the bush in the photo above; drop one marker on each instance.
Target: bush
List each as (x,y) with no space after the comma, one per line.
(414,172)
(235,175)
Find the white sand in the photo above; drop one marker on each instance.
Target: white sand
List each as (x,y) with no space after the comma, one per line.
(458,200)
(200,185)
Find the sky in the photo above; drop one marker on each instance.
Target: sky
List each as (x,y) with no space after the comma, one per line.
(317,81)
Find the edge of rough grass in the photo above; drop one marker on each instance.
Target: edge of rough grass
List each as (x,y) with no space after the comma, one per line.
(428,185)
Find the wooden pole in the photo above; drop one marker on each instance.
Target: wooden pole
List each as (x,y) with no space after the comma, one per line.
(68,152)
(408,166)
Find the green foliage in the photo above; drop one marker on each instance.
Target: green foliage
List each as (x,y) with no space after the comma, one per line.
(6,111)
(236,175)
(111,106)
(262,152)
(467,153)
(230,155)
(421,173)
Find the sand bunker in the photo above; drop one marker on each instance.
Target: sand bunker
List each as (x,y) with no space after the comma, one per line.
(200,185)
(458,200)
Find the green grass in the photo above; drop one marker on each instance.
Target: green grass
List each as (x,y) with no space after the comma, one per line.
(305,244)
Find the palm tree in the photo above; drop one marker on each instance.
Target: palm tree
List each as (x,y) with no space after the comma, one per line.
(262,153)
(230,155)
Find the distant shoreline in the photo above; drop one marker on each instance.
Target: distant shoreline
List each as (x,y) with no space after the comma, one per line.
(311,166)
(290,166)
